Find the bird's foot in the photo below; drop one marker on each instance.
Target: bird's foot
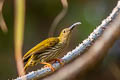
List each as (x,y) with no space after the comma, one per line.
(58,60)
(48,65)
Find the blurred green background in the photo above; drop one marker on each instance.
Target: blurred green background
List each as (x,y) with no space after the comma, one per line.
(39,17)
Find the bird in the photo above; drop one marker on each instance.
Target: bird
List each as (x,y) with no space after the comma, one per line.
(49,49)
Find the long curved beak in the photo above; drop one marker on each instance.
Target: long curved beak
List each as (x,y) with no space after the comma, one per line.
(75,24)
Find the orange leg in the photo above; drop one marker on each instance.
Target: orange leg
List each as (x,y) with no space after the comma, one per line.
(59,60)
(48,65)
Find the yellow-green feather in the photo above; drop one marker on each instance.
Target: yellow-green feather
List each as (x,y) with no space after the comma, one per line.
(41,47)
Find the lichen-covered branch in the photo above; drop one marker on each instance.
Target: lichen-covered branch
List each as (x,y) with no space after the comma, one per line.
(92,57)
(108,22)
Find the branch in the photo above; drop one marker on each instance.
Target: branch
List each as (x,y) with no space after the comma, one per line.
(18,33)
(93,56)
(3,25)
(59,17)
(107,23)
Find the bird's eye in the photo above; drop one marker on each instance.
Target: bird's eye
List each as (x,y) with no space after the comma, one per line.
(64,31)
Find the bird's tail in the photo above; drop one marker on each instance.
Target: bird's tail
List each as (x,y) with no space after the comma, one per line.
(28,64)
(26,67)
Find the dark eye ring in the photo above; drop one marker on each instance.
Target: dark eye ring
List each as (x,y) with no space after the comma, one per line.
(64,31)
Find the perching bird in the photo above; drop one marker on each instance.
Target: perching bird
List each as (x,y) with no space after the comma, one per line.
(49,49)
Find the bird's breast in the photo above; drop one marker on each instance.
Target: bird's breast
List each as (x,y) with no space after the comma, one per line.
(53,52)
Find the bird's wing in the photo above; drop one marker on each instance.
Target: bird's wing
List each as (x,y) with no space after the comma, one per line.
(41,47)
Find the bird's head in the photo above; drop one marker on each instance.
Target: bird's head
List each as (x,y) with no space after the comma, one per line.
(65,33)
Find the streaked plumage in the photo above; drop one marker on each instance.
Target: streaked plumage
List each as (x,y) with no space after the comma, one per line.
(48,49)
